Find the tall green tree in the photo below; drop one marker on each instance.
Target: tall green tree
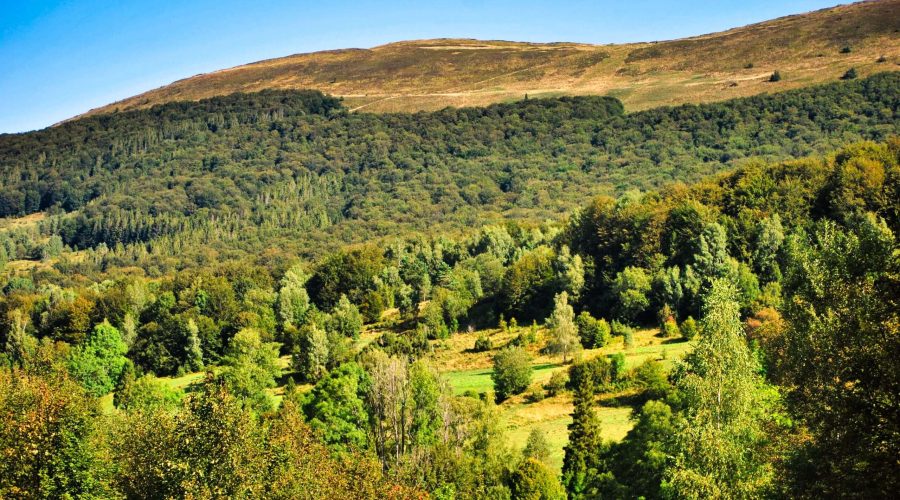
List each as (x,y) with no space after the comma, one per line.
(98,363)
(839,358)
(719,439)
(250,367)
(582,463)
(564,339)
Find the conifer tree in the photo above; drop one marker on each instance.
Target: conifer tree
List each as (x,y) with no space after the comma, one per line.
(582,461)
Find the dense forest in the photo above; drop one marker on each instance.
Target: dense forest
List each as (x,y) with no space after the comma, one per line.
(296,171)
(306,268)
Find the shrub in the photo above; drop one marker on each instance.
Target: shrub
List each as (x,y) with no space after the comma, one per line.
(483,343)
(535,394)
(533,479)
(512,372)
(597,370)
(537,447)
(628,338)
(651,377)
(670,329)
(846,49)
(776,76)
(625,331)
(689,328)
(557,383)
(850,74)
(616,367)
(593,332)
(881,59)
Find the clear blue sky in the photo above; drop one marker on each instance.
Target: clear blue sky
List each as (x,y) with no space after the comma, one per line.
(61,58)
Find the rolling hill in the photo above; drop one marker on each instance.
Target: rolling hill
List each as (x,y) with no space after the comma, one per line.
(806,49)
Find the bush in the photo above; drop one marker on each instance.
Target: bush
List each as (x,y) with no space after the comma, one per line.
(776,77)
(533,479)
(593,332)
(628,338)
(850,74)
(525,338)
(597,370)
(689,328)
(512,372)
(651,377)
(625,331)
(846,49)
(483,343)
(537,447)
(670,329)
(535,394)
(616,367)
(557,383)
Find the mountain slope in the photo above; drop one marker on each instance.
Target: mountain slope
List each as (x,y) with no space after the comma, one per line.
(431,74)
(294,171)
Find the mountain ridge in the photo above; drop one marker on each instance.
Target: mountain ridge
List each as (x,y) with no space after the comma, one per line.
(429,74)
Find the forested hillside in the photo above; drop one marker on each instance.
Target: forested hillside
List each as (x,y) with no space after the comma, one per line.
(183,184)
(267,374)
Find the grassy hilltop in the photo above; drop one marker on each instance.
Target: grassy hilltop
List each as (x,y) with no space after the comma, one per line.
(806,49)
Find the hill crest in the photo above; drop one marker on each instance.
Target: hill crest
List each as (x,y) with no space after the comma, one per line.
(430,74)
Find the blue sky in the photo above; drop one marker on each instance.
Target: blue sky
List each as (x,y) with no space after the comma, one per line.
(61,58)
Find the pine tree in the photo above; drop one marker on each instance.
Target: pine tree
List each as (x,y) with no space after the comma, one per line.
(582,461)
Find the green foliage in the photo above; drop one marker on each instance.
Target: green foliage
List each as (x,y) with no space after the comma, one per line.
(776,76)
(346,319)
(98,363)
(335,408)
(652,378)
(583,453)
(533,480)
(593,332)
(557,383)
(689,328)
(536,447)
(719,440)
(596,373)
(839,361)
(46,438)
(637,464)
(483,343)
(564,338)
(630,288)
(622,330)
(146,393)
(249,368)
(293,300)
(310,357)
(512,372)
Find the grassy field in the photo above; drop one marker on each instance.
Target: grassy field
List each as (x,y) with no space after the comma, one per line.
(469,371)
(432,74)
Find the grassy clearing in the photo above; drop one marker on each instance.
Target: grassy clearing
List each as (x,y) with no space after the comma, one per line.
(469,371)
